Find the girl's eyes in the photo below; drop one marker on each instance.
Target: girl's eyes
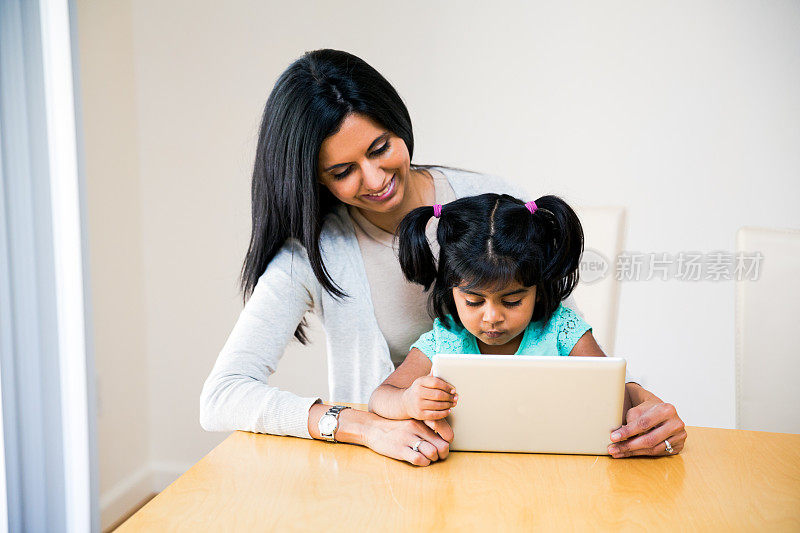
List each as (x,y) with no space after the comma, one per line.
(377,151)
(507,304)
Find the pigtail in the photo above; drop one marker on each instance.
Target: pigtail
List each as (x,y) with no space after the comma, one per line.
(488,241)
(416,258)
(561,237)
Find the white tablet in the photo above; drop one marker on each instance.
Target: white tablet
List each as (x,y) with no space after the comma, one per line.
(512,403)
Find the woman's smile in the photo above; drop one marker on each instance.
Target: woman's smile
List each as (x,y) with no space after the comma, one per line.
(383,195)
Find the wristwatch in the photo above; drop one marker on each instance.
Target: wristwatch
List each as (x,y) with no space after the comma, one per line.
(329,422)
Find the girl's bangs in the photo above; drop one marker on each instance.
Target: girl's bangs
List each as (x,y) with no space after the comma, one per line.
(487,275)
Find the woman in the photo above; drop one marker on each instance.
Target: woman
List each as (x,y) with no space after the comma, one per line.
(332,180)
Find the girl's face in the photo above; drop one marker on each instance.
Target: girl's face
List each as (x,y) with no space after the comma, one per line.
(495,318)
(365,165)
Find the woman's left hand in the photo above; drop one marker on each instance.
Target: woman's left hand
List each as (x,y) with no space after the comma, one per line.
(647,426)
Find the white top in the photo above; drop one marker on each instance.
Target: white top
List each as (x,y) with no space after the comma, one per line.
(400,305)
(236,395)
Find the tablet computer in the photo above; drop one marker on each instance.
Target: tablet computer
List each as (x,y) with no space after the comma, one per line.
(512,403)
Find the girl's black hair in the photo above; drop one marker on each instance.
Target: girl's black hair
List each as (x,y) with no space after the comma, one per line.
(490,240)
(309,102)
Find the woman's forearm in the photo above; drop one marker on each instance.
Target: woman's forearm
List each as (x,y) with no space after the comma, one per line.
(352,424)
(387,401)
(236,394)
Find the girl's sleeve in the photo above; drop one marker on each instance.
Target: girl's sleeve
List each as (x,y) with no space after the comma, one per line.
(443,340)
(570,302)
(426,344)
(570,328)
(236,395)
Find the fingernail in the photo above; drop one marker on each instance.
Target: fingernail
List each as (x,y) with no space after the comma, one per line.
(452,391)
(450,410)
(612,450)
(615,436)
(455,398)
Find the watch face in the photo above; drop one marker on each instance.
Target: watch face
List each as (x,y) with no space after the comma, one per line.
(327,424)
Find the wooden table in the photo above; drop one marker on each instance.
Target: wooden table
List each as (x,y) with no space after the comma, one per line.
(723,480)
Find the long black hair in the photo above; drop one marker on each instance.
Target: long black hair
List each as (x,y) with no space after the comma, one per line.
(490,240)
(309,102)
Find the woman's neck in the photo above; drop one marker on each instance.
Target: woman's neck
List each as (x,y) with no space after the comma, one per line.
(509,348)
(418,192)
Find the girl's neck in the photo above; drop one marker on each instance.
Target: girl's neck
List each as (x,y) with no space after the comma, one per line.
(509,348)
(419,191)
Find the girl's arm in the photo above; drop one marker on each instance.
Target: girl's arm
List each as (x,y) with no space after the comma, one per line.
(587,347)
(409,392)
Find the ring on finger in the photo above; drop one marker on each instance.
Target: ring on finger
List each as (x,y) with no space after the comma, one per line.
(415,447)
(668,447)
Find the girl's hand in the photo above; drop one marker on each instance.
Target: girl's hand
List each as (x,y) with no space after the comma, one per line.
(396,439)
(429,398)
(649,424)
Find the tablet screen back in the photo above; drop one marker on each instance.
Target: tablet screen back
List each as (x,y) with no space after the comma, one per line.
(534,404)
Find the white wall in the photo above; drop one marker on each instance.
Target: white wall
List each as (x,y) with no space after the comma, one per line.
(105,45)
(687,113)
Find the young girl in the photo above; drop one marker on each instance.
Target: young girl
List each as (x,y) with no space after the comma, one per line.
(504,267)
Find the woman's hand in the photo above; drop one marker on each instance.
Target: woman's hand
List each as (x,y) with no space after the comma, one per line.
(429,398)
(649,423)
(397,438)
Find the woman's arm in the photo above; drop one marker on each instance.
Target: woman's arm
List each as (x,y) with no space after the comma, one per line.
(392,438)
(236,395)
(409,392)
(649,421)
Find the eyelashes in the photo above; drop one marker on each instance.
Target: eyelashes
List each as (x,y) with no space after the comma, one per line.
(378,151)
(478,304)
(381,149)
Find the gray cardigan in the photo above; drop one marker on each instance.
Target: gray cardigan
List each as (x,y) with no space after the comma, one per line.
(236,394)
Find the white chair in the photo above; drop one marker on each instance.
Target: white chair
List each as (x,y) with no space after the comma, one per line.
(597,293)
(767,352)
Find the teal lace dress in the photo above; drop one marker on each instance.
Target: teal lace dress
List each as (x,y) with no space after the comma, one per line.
(554,337)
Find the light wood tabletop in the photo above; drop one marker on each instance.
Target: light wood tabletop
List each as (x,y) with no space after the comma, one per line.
(723,480)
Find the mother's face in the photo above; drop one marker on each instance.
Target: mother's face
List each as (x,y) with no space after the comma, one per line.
(365,165)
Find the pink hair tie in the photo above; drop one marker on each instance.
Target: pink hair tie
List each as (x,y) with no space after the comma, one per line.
(437,210)
(531,206)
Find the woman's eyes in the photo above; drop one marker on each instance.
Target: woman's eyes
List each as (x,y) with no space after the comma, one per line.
(507,304)
(382,149)
(377,151)
(341,175)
